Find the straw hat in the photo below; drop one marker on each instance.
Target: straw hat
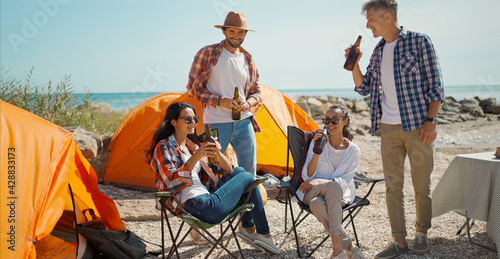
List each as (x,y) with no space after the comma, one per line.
(235,20)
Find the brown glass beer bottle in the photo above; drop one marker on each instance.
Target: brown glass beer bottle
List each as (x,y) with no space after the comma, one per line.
(353,55)
(236,114)
(321,142)
(210,139)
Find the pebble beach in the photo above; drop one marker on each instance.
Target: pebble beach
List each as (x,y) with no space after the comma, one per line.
(479,134)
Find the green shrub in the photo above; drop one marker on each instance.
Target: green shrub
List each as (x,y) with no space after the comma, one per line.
(58,103)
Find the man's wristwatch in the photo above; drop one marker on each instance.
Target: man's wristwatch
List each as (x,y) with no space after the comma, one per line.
(432,120)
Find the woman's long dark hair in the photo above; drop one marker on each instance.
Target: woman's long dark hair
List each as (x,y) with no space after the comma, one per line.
(166,128)
(345,115)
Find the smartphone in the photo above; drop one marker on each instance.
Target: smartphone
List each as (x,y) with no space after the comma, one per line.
(215,134)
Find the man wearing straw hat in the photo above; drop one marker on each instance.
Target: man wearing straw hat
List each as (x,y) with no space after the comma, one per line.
(216,70)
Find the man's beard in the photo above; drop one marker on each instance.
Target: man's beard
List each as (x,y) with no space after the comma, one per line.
(234,45)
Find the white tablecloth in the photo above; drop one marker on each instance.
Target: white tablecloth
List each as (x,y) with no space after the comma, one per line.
(471,184)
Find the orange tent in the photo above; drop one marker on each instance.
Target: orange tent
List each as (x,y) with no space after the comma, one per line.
(40,164)
(126,161)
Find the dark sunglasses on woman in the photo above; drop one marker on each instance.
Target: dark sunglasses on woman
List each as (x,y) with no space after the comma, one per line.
(333,120)
(190,119)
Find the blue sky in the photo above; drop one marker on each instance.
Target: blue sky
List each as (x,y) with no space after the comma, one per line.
(148,46)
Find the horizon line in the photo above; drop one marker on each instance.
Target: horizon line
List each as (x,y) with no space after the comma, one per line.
(281,90)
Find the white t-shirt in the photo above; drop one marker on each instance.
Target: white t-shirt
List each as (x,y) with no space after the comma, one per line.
(196,189)
(230,71)
(390,106)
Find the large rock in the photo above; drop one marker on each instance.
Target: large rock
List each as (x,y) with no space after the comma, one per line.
(315,108)
(478,112)
(98,162)
(449,108)
(487,102)
(360,106)
(86,142)
(302,104)
(323,98)
(93,147)
(468,105)
(314,101)
(495,109)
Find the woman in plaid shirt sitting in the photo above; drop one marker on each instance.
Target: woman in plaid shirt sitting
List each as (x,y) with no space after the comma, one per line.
(178,161)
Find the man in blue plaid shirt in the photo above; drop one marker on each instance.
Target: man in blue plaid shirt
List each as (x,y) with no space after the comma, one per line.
(404,82)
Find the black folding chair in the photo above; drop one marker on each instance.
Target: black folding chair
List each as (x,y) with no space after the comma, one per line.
(201,227)
(298,146)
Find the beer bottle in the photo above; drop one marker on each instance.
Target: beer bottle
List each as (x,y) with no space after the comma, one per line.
(353,55)
(209,138)
(236,114)
(321,142)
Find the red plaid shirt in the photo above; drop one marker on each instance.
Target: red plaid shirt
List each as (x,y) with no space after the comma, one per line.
(204,61)
(169,163)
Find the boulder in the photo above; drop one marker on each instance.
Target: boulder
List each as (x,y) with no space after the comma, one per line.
(316,110)
(449,99)
(302,104)
(326,105)
(86,142)
(487,102)
(495,109)
(360,106)
(443,121)
(313,101)
(461,118)
(323,98)
(365,114)
(349,104)
(340,101)
(478,111)
(448,108)
(468,105)
(98,162)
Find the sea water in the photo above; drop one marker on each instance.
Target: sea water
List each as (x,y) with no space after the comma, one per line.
(120,101)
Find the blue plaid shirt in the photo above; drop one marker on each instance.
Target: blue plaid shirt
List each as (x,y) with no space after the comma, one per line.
(417,75)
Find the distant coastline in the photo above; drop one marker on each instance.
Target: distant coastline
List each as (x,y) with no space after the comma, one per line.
(120,101)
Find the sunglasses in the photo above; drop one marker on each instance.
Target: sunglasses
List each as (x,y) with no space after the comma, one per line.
(334,121)
(190,119)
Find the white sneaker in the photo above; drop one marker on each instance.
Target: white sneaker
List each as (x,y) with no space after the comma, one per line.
(342,255)
(197,239)
(355,253)
(248,237)
(267,244)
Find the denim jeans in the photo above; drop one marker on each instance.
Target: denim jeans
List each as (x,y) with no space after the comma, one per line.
(241,135)
(225,196)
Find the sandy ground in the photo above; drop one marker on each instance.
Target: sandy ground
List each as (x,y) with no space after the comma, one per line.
(372,223)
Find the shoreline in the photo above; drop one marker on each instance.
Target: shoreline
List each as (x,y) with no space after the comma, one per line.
(123,100)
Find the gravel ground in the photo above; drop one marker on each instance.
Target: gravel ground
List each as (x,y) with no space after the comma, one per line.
(372,223)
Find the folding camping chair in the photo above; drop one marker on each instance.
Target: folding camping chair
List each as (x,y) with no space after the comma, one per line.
(298,145)
(200,226)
